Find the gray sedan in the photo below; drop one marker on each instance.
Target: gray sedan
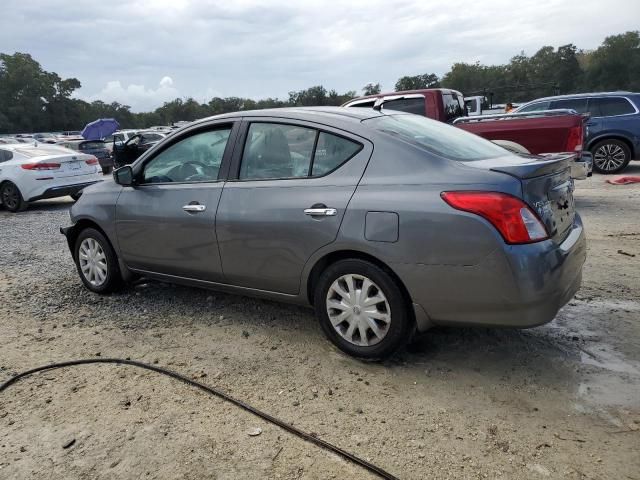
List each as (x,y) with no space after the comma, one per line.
(386,223)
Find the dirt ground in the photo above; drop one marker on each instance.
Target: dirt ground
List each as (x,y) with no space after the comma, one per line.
(558,401)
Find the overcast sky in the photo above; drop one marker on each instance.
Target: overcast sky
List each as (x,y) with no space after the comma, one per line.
(145,52)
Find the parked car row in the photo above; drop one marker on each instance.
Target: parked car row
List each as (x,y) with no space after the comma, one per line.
(606,125)
(536,133)
(30,172)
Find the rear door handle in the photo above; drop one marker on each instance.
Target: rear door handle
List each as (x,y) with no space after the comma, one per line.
(321,212)
(195,208)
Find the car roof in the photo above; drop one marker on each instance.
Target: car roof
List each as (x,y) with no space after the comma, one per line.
(583,95)
(334,116)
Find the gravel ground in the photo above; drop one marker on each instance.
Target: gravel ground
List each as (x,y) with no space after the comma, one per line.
(558,401)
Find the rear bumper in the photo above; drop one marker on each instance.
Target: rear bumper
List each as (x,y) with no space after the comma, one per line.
(62,190)
(517,286)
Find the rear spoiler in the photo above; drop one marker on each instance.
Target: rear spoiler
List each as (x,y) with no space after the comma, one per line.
(507,116)
(539,165)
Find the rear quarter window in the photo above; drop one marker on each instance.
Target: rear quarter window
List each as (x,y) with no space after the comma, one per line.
(611,106)
(5,155)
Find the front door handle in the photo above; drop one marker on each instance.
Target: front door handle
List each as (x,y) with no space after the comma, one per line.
(194,208)
(321,212)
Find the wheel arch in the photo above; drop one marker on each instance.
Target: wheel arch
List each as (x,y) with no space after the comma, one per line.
(79,226)
(613,136)
(332,257)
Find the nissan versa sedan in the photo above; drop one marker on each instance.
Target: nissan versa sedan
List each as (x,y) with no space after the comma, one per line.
(386,223)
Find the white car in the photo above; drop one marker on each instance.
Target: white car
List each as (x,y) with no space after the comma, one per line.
(30,172)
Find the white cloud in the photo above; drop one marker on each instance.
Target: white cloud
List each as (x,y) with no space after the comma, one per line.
(260,48)
(138,97)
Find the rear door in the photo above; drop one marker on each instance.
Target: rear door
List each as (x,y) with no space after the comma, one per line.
(291,183)
(166,222)
(609,115)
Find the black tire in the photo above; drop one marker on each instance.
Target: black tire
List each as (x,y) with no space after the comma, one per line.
(610,156)
(12,197)
(400,326)
(113,279)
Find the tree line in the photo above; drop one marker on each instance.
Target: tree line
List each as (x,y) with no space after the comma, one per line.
(32,99)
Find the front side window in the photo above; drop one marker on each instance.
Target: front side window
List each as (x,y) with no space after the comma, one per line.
(194,159)
(534,107)
(408,105)
(610,106)
(577,104)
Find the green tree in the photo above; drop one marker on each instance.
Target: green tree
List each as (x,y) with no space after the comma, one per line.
(371,89)
(615,65)
(417,82)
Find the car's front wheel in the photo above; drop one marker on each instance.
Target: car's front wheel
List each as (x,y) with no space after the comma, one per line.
(12,198)
(610,156)
(97,262)
(362,309)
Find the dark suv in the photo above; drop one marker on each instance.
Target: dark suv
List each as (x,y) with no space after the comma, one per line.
(613,129)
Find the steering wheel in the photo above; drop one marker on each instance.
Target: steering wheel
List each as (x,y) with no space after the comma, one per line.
(189,169)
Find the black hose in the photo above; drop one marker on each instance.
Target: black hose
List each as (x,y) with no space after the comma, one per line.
(212,391)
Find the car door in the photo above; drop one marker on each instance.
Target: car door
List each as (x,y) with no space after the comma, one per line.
(286,197)
(166,222)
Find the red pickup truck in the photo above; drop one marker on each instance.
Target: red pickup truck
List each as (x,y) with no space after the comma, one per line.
(536,132)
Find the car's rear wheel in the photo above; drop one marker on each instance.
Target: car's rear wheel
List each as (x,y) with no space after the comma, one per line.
(362,309)
(97,262)
(12,198)
(610,156)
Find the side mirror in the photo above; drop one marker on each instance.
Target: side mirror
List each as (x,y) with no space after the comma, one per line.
(124,176)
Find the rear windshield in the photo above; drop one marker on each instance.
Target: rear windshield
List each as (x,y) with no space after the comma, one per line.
(437,137)
(91,145)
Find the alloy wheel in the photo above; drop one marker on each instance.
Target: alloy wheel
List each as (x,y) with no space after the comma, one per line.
(609,157)
(10,196)
(358,310)
(93,262)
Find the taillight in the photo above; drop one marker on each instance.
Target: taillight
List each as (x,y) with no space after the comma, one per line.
(92,161)
(513,218)
(40,166)
(575,139)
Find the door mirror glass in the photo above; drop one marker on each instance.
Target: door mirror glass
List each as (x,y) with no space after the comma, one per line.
(124,176)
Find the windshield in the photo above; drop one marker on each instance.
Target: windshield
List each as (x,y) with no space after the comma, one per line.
(437,137)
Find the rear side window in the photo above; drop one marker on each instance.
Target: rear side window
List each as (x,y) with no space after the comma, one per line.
(610,106)
(437,137)
(409,105)
(577,104)
(5,155)
(535,107)
(453,106)
(274,151)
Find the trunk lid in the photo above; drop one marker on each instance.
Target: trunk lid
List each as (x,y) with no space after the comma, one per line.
(547,187)
(70,163)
